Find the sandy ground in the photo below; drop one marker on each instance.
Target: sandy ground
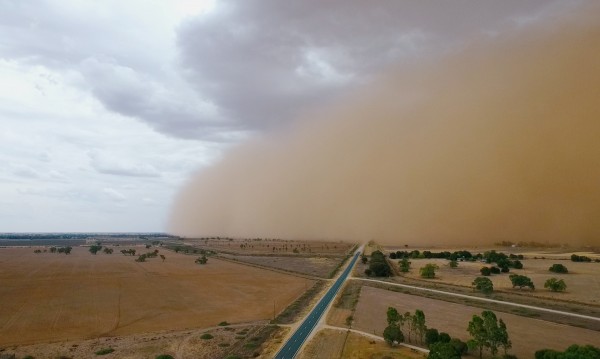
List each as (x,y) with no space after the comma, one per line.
(527,334)
(55,297)
(583,279)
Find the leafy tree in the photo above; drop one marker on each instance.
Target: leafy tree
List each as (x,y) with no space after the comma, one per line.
(141,258)
(502,337)
(453,264)
(108,250)
(410,324)
(555,285)
(428,271)
(576,258)
(392,334)
(404,265)
(52,249)
(558,268)
(459,345)
(487,332)
(363,258)
(95,248)
(478,334)
(378,265)
(68,249)
(483,285)
(517,264)
(393,316)
(444,337)
(419,324)
(443,351)
(495,270)
(432,336)
(572,352)
(201,260)
(521,281)
(486,271)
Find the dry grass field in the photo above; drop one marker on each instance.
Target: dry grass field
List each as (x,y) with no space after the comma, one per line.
(270,246)
(315,266)
(334,344)
(583,279)
(56,297)
(527,334)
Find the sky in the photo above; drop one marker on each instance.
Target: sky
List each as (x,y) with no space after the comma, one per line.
(107,108)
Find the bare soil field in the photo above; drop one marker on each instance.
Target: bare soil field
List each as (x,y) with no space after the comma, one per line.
(270,246)
(321,267)
(56,297)
(583,279)
(526,334)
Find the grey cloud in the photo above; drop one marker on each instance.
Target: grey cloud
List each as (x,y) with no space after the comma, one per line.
(262,62)
(245,66)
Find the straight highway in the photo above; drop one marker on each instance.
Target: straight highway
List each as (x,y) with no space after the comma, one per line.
(292,346)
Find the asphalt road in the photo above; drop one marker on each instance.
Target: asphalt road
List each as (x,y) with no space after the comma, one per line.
(293,345)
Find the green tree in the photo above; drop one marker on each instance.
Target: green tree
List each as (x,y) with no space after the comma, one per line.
(453,264)
(419,324)
(487,332)
(393,316)
(432,336)
(486,271)
(558,268)
(392,334)
(443,351)
(404,265)
(428,271)
(201,260)
(483,285)
(410,324)
(555,285)
(521,281)
(52,249)
(95,248)
(363,258)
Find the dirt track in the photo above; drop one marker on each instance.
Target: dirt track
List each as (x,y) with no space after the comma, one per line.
(53,297)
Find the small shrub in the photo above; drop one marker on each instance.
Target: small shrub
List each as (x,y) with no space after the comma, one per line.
(105,351)
(223,324)
(558,268)
(250,345)
(164,356)
(206,336)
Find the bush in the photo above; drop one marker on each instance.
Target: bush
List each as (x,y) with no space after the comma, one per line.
(105,351)
(486,271)
(206,336)
(223,324)
(164,356)
(432,336)
(495,270)
(459,345)
(558,268)
(555,285)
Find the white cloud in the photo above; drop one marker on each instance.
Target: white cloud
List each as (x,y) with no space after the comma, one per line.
(114,194)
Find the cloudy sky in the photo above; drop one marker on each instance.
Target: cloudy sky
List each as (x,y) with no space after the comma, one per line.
(107,107)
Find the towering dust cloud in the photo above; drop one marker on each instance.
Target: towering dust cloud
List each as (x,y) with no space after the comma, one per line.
(498,142)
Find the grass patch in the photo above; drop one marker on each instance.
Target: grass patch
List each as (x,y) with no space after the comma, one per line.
(292,312)
(223,324)
(250,345)
(104,351)
(206,336)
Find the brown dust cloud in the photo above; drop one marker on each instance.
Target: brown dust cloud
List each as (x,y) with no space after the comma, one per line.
(500,141)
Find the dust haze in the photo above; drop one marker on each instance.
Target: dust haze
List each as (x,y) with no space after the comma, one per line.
(500,141)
